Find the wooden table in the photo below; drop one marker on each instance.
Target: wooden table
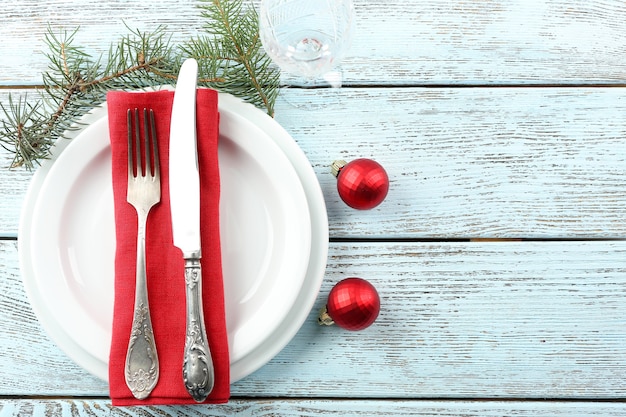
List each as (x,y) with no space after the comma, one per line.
(499,253)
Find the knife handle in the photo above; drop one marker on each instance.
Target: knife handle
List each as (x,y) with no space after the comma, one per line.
(198,373)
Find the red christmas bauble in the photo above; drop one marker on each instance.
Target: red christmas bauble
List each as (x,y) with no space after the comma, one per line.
(353,304)
(362,184)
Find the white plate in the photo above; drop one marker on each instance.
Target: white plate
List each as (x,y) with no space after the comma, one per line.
(268,190)
(265,226)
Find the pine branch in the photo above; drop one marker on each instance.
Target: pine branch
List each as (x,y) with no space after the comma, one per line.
(75,83)
(24,132)
(242,62)
(230,59)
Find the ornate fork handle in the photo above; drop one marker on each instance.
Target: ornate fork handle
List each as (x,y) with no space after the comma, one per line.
(198,372)
(142,363)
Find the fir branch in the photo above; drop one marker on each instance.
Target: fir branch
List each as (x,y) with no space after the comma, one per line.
(233,46)
(75,83)
(231,60)
(24,132)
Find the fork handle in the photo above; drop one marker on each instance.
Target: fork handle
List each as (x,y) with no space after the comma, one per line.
(142,363)
(198,372)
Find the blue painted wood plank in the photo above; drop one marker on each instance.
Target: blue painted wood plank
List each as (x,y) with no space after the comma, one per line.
(463,163)
(458,320)
(317,408)
(395,42)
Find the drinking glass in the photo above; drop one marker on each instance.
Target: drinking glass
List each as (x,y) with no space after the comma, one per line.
(307,38)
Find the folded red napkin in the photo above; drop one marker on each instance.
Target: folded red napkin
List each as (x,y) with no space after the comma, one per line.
(164,262)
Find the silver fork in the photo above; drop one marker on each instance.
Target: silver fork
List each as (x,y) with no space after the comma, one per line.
(144,191)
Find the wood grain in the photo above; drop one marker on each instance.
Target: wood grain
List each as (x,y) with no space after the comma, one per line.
(515,320)
(489,162)
(463,163)
(395,42)
(317,408)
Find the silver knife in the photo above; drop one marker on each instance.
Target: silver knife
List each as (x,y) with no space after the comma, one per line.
(184,181)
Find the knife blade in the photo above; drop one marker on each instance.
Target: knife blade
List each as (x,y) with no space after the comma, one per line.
(184,181)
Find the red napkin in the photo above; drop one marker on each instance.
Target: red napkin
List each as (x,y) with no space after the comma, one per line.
(164,262)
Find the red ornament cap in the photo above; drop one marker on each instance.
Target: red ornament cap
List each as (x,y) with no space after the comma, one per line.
(353,304)
(362,184)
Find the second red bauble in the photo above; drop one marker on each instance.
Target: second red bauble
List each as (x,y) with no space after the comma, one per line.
(362,184)
(353,304)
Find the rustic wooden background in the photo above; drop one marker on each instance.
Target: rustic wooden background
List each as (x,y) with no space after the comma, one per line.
(499,253)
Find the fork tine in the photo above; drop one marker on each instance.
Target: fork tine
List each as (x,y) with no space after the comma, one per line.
(129,124)
(151,149)
(155,146)
(146,143)
(140,171)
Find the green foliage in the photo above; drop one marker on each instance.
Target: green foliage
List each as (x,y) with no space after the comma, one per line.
(229,55)
(244,67)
